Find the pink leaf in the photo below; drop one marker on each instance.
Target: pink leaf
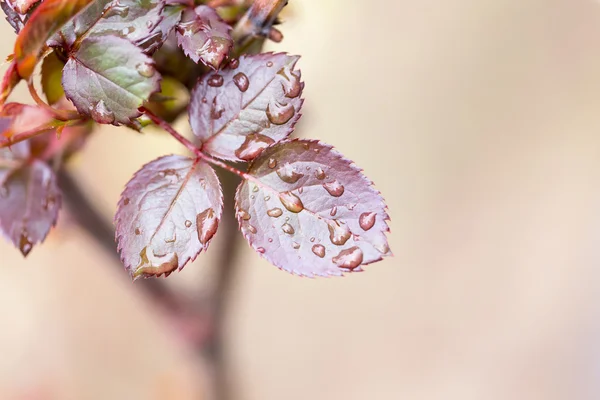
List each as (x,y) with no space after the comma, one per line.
(312,212)
(253,103)
(29,198)
(167,214)
(204,36)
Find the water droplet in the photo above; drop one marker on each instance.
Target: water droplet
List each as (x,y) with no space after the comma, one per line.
(255,189)
(234,63)
(204,100)
(128,30)
(188,223)
(319,250)
(289,174)
(126,201)
(260,250)
(243,215)
(25,244)
(333,211)
(269,64)
(114,8)
(291,202)
(275,212)
(349,258)
(291,82)
(173,239)
(278,113)
(320,174)
(272,163)
(145,69)
(217,110)
(215,80)
(101,114)
(206,225)
(138,231)
(252,197)
(367,220)
(254,144)
(296,245)
(241,81)
(350,206)
(152,264)
(267,198)
(202,183)
(312,239)
(334,188)
(339,233)
(287,228)
(251,228)
(149,24)
(48,202)
(270,240)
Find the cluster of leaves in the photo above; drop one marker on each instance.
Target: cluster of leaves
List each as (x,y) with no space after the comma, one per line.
(301,204)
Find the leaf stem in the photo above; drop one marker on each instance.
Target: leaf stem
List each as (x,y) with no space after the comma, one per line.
(63,115)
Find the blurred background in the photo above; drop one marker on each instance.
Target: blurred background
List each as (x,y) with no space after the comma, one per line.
(479,122)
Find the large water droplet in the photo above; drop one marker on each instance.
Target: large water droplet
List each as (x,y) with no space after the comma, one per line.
(289,174)
(278,113)
(291,82)
(145,69)
(101,114)
(287,228)
(275,212)
(367,220)
(272,163)
(334,188)
(243,214)
(320,174)
(25,244)
(291,202)
(207,224)
(152,264)
(319,250)
(254,144)
(339,233)
(349,258)
(215,80)
(241,81)
(114,8)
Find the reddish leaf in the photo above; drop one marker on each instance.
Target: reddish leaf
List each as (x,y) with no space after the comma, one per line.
(25,118)
(314,213)
(109,78)
(204,36)
(167,214)
(238,112)
(45,21)
(9,81)
(171,16)
(22,6)
(29,200)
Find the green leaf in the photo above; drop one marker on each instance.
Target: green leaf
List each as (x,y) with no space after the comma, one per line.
(109,78)
(52,67)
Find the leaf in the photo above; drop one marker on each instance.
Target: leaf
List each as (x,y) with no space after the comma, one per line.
(109,78)
(22,6)
(313,212)
(167,215)
(46,20)
(171,16)
(25,118)
(10,80)
(203,36)
(238,112)
(134,20)
(52,68)
(14,18)
(29,203)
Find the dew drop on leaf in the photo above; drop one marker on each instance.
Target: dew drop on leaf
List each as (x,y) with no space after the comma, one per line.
(255,190)
(25,244)
(137,231)
(215,80)
(339,233)
(251,228)
(296,245)
(275,212)
(319,250)
(349,258)
(279,114)
(155,265)
(272,163)
(207,224)
(333,211)
(145,69)
(101,114)
(241,81)
(320,174)
(188,223)
(269,64)
(334,188)
(253,145)
(291,202)
(260,250)
(126,201)
(367,220)
(288,173)
(287,228)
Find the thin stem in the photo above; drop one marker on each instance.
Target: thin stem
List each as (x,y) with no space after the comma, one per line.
(63,115)
(163,124)
(7,142)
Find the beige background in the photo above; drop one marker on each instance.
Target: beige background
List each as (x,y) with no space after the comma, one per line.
(478,120)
